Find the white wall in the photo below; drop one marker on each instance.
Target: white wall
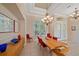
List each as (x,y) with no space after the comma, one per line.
(73,36)
(23,11)
(22,27)
(21,22)
(7,12)
(6,37)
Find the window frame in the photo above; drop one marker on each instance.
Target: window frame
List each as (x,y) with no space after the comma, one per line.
(12,26)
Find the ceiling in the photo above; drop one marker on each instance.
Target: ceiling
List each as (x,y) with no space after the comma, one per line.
(64,9)
(12,7)
(59,9)
(42,5)
(35,9)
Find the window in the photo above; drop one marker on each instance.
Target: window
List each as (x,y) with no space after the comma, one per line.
(6,24)
(39,28)
(60,30)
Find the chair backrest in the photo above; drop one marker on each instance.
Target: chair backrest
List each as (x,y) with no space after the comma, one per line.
(49,35)
(19,37)
(39,39)
(27,36)
(41,42)
(55,38)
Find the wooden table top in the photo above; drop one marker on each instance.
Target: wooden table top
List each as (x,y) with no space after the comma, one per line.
(52,44)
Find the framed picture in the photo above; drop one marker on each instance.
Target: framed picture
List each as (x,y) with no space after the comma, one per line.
(73,28)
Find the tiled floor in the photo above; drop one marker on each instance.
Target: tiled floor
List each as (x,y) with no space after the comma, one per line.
(33,49)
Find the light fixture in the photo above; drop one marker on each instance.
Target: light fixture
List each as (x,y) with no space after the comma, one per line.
(47,19)
(75,14)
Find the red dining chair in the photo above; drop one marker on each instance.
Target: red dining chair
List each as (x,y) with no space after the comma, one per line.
(55,38)
(28,37)
(19,37)
(49,35)
(41,43)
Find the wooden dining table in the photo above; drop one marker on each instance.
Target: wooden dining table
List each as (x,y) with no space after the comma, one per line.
(59,47)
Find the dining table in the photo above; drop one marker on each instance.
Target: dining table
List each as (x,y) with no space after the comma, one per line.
(56,46)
